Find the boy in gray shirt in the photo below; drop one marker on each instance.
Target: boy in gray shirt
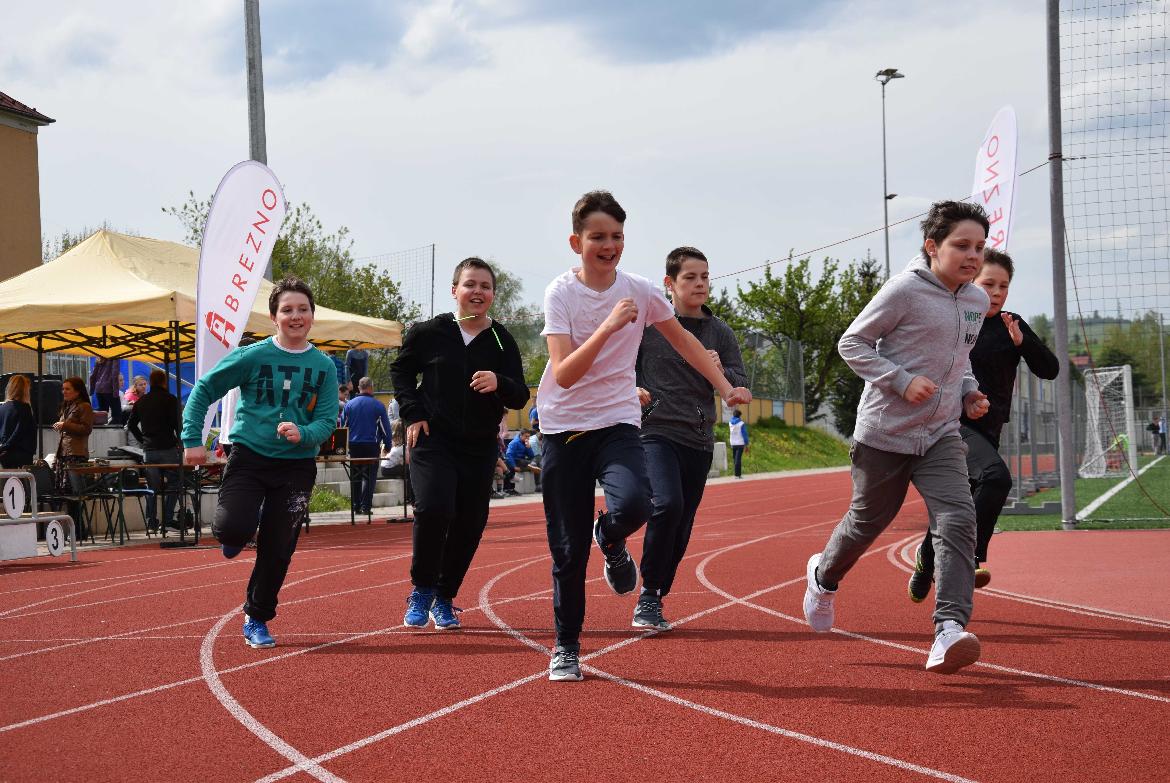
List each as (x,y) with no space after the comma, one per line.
(911,345)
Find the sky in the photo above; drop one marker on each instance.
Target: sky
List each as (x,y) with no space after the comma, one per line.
(750,130)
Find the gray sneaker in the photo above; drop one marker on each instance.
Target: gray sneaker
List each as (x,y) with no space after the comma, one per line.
(621,573)
(648,614)
(565,665)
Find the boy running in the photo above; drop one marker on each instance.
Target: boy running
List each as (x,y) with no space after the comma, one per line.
(589,413)
(911,345)
(678,432)
(287,408)
(1004,339)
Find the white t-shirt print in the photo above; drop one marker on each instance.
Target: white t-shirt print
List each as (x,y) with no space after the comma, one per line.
(606,394)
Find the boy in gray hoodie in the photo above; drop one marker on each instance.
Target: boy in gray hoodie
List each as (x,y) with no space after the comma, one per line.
(911,345)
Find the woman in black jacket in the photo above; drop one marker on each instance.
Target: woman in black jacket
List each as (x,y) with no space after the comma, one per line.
(18,429)
(471,372)
(1004,339)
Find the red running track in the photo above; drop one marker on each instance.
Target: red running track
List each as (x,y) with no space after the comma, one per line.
(130,665)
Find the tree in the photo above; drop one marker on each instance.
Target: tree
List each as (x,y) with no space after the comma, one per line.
(845,392)
(52,247)
(324,261)
(797,306)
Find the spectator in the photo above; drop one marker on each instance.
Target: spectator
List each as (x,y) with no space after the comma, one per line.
(533,417)
(394,460)
(357,362)
(392,411)
(106,382)
(155,423)
(136,391)
(519,456)
(365,416)
(740,442)
(1158,429)
(18,429)
(74,425)
(342,399)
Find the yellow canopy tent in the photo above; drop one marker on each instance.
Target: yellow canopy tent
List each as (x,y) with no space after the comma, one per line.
(119,296)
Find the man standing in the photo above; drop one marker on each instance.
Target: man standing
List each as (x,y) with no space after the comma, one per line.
(155,422)
(357,361)
(106,383)
(369,426)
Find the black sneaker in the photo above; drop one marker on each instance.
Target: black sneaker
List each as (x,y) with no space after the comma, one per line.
(920,580)
(621,574)
(648,613)
(565,665)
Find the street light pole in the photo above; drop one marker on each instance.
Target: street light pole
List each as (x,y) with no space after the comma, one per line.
(884,76)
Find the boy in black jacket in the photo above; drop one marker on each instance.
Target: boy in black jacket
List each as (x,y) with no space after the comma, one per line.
(471,372)
(1002,342)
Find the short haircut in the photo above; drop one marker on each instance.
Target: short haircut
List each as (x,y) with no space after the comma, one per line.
(1000,258)
(945,215)
(596,201)
(365,384)
(676,257)
(18,388)
(286,286)
(78,385)
(158,379)
(472,262)
(343,387)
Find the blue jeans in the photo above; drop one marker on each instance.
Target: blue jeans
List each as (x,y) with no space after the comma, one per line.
(362,477)
(678,476)
(737,457)
(614,457)
(165,483)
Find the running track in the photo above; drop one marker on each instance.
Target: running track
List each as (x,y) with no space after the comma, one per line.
(130,665)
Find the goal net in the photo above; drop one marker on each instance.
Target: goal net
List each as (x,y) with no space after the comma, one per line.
(1110,431)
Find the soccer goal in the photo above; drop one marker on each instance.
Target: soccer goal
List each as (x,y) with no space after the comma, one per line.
(1110,429)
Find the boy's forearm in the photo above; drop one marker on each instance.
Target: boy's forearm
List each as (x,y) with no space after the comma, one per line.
(576,363)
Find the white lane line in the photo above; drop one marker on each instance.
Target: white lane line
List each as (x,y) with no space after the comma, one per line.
(8,614)
(262,662)
(1084,513)
(700,573)
(712,711)
(245,718)
(904,560)
(485,606)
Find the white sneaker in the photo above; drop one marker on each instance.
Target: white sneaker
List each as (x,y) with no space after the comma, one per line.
(818,602)
(953,649)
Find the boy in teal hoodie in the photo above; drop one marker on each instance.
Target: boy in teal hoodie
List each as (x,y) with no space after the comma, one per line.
(287,408)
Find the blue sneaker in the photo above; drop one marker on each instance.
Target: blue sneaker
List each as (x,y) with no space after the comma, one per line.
(418,607)
(256,634)
(443,613)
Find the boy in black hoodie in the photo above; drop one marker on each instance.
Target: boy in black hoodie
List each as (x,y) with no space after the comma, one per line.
(471,372)
(1004,339)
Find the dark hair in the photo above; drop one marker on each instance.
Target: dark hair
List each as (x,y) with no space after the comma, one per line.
(158,379)
(1000,258)
(289,285)
(676,257)
(473,262)
(945,215)
(79,386)
(596,201)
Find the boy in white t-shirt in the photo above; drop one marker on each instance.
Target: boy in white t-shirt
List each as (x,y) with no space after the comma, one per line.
(589,413)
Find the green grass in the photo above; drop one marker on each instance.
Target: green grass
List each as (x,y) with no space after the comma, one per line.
(1131,508)
(776,446)
(325,499)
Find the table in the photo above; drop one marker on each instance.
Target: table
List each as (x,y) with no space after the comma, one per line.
(347,464)
(118,490)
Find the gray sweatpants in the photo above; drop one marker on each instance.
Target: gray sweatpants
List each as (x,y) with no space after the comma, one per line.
(880,481)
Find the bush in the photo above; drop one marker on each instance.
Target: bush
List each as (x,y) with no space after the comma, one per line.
(325,499)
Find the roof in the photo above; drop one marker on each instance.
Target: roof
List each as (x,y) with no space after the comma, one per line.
(13,106)
(116,295)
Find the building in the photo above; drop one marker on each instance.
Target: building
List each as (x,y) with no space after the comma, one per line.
(20,203)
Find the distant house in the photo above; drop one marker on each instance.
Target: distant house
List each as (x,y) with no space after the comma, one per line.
(20,204)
